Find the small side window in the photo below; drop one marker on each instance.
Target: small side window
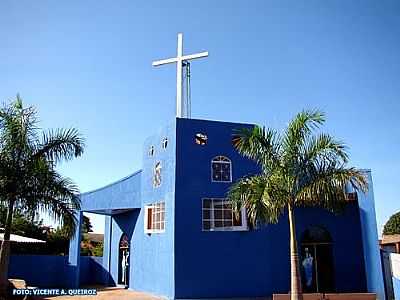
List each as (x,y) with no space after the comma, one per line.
(151,151)
(165,143)
(200,139)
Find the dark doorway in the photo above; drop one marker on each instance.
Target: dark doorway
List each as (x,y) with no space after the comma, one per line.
(317,261)
(123,261)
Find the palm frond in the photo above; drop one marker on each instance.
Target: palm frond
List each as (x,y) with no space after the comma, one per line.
(300,128)
(325,185)
(259,144)
(27,174)
(59,198)
(263,197)
(324,147)
(60,145)
(300,168)
(17,124)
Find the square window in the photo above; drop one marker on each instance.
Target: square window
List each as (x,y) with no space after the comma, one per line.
(206,203)
(154,215)
(217,215)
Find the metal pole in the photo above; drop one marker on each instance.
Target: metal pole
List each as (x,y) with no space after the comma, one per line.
(179,77)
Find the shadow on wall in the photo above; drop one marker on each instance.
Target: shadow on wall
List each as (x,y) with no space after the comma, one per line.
(54,271)
(92,271)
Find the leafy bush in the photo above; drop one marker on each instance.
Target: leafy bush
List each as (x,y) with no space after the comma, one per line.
(392,226)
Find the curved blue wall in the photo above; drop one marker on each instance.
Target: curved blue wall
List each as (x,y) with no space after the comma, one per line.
(123,194)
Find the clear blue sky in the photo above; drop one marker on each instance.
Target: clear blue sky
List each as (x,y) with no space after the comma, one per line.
(87,64)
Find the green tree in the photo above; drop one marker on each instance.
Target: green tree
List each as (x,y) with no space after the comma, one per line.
(392,226)
(58,242)
(28,179)
(98,249)
(86,225)
(22,224)
(299,168)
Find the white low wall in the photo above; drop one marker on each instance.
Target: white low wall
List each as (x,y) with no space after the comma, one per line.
(395,264)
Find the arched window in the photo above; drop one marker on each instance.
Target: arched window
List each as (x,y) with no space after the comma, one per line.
(124,242)
(317,261)
(221,169)
(157,175)
(316,235)
(123,265)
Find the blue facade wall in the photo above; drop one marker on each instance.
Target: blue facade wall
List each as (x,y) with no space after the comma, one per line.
(153,261)
(151,256)
(74,253)
(345,230)
(249,263)
(369,232)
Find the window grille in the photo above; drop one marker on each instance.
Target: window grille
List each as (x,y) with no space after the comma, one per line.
(154,219)
(218,216)
(221,169)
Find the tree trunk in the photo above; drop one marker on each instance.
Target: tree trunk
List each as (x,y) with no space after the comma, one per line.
(5,252)
(295,279)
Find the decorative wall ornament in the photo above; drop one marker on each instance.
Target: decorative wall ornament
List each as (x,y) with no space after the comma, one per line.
(157,175)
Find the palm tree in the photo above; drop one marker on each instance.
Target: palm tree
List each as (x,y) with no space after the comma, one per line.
(28,179)
(299,168)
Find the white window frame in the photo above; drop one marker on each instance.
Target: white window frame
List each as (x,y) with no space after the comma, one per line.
(153,207)
(243,227)
(224,160)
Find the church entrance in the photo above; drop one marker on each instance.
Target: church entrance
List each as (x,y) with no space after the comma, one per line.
(123,261)
(316,262)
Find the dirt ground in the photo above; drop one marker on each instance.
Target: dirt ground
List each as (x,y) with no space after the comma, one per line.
(107,294)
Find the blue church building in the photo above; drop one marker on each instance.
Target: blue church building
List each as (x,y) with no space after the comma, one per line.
(169,228)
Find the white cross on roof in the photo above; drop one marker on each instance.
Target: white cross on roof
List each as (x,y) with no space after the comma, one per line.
(179,59)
